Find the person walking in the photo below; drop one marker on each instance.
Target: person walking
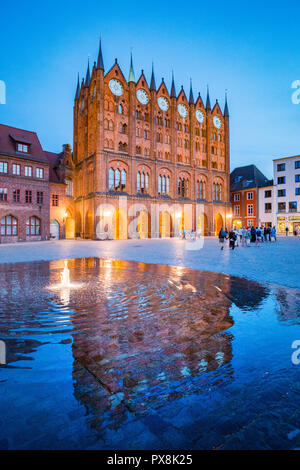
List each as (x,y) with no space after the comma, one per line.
(248,237)
(258,237)
(244,233)
(286,231)
(222,236)
(232,239)
(253,235)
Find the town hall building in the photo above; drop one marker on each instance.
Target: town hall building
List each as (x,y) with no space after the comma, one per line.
(140,151)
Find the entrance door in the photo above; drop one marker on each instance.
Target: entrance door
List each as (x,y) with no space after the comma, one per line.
(54,230)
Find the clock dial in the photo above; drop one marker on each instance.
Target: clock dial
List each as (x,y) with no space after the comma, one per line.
(163,103)
(142,96)
(199,116)
(115,87)
(182,110)
(217,122)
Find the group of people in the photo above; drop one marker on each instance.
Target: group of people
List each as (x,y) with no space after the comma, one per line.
(246,236)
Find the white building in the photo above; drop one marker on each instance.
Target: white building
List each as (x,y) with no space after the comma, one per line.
(287,193)
(267,205)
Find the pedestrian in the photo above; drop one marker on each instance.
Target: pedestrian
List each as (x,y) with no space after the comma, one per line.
(286,231)
(244,233)
(248,237)
(232,239)
(222,236)
(253,234)
(258,236)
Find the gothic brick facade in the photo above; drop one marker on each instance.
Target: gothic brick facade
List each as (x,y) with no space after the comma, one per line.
(141,152)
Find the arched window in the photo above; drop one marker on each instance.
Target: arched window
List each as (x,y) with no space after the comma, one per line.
(33,226)
(200,189)
(183,187)
(120,109)
(124,128)
(105,124)
(217,191)
(116,179)
(163,184)
(142,181)
(110,125)
(9,225)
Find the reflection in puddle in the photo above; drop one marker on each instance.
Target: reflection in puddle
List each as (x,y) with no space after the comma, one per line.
(142,356)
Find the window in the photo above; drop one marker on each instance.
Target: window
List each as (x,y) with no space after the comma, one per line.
(281,180)
(16,195)
(217,192)
(281,192)
(201,189)
(116,179)
(163,184)
(268,207)
(297,164)
(237,179)
(237,210)
(293,206)
(183,187)
(250,209)
(69,187)
(28,197)
(281,167)
(22,148)
(16,169)
(250,196)
(142,182)
(39,197)
(3,194)
(55,200)
(28,171)
(281,206)
(3,167)
(120,109)
(39,173)
(268,193)
(146,134)
(297,191)
(9,225)
(250,223)
(236,197)
(297,178)
(33,226)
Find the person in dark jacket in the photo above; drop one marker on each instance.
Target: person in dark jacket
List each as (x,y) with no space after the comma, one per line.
(232,239)
(222,236)
(253,235)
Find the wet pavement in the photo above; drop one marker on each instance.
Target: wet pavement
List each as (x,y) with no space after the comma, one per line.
(146,356)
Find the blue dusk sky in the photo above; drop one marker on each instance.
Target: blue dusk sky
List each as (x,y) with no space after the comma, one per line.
(249,48)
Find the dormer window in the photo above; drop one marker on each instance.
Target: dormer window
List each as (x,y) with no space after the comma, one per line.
(22,148)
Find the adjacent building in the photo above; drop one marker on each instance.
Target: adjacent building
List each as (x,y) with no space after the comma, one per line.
(30,181)
(247,185)
(287,193)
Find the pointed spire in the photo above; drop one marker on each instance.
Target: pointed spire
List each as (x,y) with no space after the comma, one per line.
(191,99)
(207,99)
(152,84)
(226,112)
(131,77)
(173,91)
(88,76)
(77,89)
(100,63)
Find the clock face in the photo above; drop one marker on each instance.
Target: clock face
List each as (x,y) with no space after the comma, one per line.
(199,116)
(142,96)
(115,87)
(217,122)
(182,110)
(163,103)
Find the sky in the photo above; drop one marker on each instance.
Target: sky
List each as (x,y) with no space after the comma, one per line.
(249,48)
